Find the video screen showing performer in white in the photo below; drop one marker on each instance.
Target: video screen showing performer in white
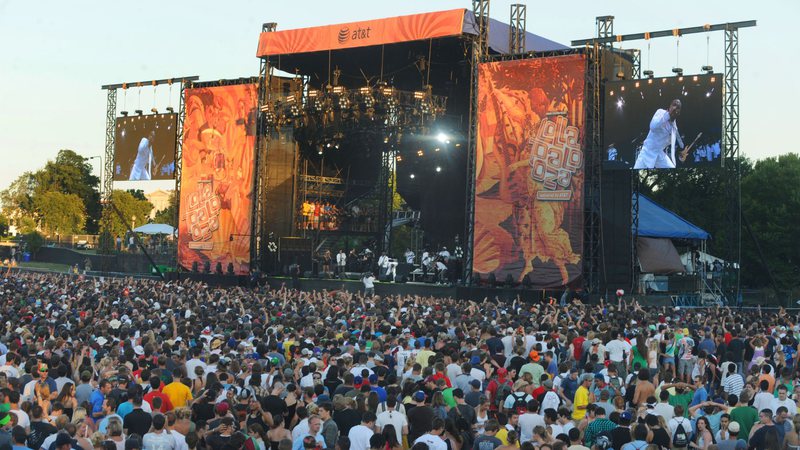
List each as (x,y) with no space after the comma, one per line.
(144,147)
(663,123)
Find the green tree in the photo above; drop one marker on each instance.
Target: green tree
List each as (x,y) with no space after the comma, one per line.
(34,241)
(17,199)
(771,206)
(60,213)
(167,215)
(138,194)
(134,212)
(71,173)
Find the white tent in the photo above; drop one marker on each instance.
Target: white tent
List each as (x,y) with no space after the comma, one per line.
(155,228)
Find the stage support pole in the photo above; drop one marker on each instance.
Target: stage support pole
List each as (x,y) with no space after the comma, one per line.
(480,50)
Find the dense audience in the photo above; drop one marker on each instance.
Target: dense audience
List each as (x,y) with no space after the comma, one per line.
(93,363)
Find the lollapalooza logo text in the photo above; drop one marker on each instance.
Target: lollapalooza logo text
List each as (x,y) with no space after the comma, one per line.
(555,157)
(203,216)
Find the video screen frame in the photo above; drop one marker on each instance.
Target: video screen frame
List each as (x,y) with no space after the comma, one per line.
(637,121)
(145,147)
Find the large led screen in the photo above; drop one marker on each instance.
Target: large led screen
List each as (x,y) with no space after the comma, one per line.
(530,170)
(217,178)
(663,123)
(144,147)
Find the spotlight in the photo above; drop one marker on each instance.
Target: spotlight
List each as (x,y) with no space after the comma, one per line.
(412,176)
(708,69)
(313,93)
(458,145)
(338,89)
(648,73)
(419,95)
(441,137)
(677,71)
(399,158)
(622,88)
(436,149)
(328,145)
(139,112)
(170,109)
(420,152)
(621,75)
(610,93)
(154,110)
(438,169)
(336,146)
(124,113)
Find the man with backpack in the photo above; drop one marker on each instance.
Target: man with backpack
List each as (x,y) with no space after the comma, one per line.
(598,426)
(639,441)
(680,428)
(518,400)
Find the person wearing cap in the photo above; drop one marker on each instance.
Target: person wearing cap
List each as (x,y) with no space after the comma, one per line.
(583,397)
(419,416)
(621,435)
(533,367)
(732,441)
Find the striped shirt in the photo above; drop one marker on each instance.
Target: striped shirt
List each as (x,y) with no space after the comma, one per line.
(733,384)
(595,428)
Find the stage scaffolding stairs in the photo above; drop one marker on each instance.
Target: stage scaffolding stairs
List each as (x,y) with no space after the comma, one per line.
(711,293)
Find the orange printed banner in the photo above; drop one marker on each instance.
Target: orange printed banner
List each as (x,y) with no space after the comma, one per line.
(414,27)
(217,177)
(530,170)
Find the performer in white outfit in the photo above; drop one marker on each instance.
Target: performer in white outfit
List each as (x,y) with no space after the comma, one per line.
(143,164)
(663,133)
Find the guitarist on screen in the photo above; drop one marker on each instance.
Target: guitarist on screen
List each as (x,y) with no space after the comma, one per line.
(658,149)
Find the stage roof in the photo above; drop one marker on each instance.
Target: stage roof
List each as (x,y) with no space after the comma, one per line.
(391,30)
(659,222)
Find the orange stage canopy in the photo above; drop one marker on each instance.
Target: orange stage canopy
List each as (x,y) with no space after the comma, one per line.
(362,34)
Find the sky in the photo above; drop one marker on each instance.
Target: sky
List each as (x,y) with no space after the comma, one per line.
(55,55)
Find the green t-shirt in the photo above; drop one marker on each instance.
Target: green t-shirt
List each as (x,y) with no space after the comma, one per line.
(746,417)
(447,394)
(683,400)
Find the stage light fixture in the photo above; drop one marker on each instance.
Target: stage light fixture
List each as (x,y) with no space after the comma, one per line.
(170,109)
(622,88)
(621,75)
(328,145)
(139,112)
(436,149)
(336,146)
(399,158)
(412,176)
(458,145)
(708,69)
(636,84)
(438,169)
(713,79)
(154,110)
(677,71)
(313,93)
(420,153)
(648,73)
(124,113)
(419,95)
(441,137)
(610,93)
(338,90)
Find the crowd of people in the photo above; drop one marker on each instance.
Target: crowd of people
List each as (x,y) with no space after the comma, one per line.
(112,363)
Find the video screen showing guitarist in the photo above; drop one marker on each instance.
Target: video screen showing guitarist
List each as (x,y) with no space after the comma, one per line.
(658,149)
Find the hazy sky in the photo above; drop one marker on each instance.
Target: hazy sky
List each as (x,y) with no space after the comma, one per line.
(55,55)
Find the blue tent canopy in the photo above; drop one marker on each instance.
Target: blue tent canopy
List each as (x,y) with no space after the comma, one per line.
(657,221)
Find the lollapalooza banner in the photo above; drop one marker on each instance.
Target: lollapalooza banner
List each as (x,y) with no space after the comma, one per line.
(217,177)
(530,170)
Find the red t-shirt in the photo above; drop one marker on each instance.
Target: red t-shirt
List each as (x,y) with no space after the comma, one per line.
(577,345)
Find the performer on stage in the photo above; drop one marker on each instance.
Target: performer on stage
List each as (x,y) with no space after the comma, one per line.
(663,134)
(143,164)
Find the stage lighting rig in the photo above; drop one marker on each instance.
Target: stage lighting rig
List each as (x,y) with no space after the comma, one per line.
(170,109)
(138,112)
(124,113)
(648,73)
(154,110)
(677,71)
(708,69)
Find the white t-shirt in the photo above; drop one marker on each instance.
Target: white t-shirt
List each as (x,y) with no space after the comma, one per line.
(434,442)
(394,418)
(788,403)
(527,422)
(369,282)
(673,425)
(617,349)
(359,437)
(23,419)
(190,366)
